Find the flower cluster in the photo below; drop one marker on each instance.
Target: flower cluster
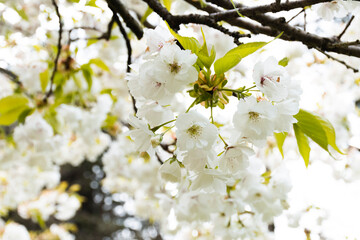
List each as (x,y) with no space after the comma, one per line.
(205,178)
(183,140)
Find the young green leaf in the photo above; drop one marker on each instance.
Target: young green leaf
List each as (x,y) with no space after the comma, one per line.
(99,63)
(167,4)
(284,62)
(234,56)
(190,43)
(203,53)
(303,144)
(280,139)
(146,14)
(240,15)
(24,114)
(11,107)
(22,13)
(44,79)
(11,116)
(318,129)
(12,102)
(87,72)
(91,3)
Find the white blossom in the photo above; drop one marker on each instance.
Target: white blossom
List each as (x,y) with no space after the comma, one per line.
(272,79)
(194,131)
(235,159)
(254,119)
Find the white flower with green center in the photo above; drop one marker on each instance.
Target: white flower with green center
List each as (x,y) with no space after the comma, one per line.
(176,66)
(194,131)
(253,119)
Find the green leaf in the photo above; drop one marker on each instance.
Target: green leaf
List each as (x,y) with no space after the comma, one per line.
(44,79)
(284,62)
(11,116)
(190,43)
(12,102)
(280,138)
(234,56)
(74,1)
(330,133)
(76,80)
(92,3)
(24,114)
(203,53)
(303,144)
(99,63)
(167,4)
(87,72)
(146,14)
(11,107)
(318,129)
(91,41)
(240,15)
(22,13)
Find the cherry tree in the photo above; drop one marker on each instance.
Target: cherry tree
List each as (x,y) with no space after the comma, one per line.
(179,119)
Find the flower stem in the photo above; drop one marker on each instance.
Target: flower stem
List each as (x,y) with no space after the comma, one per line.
(154,129)
(222,139)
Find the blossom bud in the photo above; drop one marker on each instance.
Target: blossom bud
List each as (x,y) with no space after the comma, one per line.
(156,140)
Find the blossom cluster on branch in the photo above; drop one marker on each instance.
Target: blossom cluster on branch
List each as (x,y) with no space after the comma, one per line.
(182,104)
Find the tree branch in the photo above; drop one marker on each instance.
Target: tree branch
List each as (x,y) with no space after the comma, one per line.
(174,21)
(273,27)
(129,53)
(106,35)
(273,7)
(346,27)
(59,47)
(338,60)
(117,7)
(12,76)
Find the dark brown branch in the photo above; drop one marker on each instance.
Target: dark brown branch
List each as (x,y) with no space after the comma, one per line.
(338,60)
(356,42)
(273,27)
(304,20)
(273,7)
(346,27)
(12,76)
(106,35)
(117,7)
(59,47)
(129,53)
(175,21)
(159,159)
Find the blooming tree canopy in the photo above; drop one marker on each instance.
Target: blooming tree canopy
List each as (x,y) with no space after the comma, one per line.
(179,119)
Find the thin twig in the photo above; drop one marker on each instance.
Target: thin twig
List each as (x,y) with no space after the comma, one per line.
(295,16)
(158,158)
(129,52)
(338,60)
(106,35)
(346,27)
(12,76)
(304,20)
(59,47)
